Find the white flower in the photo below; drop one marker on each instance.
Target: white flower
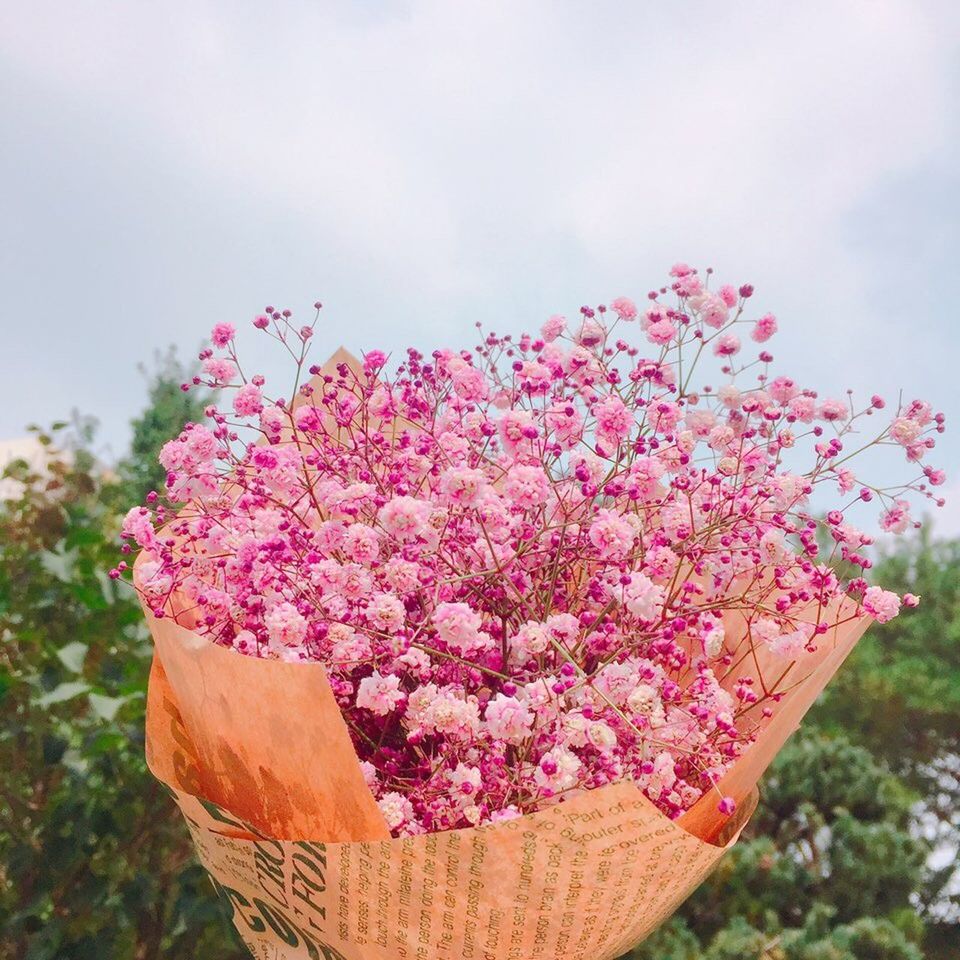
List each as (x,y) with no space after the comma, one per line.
(558,770)
(602,736)
(396,809)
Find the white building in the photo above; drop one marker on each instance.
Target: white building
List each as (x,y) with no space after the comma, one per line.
(23,448)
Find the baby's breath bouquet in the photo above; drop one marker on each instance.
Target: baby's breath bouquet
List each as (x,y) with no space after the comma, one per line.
(574,586)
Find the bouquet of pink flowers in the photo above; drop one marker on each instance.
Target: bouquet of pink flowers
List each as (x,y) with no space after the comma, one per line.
(553,564)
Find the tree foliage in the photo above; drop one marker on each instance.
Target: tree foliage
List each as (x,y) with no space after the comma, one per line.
(826,868)
(94,858)
(168,408)
(899,696)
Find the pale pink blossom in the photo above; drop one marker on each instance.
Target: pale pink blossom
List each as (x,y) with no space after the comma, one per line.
(459,627)
(905,430)
(803,408)
(729,396)
(526,486)
(614,420)
(728,294)
(566,423)
(557,770)
(386,612)
(553,327)
(881,604)
(661,331)
(361,543)
(397,810)
(138,526)
(833,410)
(222,334)
(591,333)
(642,597)
(248,401)
(764,328)
(405,518)
(308,418)
(726,345)
(378,694)
(896,518)
(286,626)
(220,370)
(611,535)
(624,308)
(783,389)
(508,719)
(530,640)
(201,444)
(469,383)
(464,486)
(713,310)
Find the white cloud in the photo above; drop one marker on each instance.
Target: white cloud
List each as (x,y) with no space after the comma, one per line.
(430,138)
(451,161)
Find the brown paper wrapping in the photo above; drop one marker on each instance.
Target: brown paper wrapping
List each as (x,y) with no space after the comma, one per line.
(260,761)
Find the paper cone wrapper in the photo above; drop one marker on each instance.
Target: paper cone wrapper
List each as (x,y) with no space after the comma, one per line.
(260,761)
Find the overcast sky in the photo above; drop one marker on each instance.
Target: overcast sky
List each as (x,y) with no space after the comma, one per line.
(421,166)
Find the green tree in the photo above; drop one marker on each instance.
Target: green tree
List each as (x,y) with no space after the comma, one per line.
(168,408)
(833,865)
(825,870)
(94,858)
(899,696)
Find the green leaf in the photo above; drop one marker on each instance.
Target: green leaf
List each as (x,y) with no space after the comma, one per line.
(53,748)
(79,536)
(73,655)
(90,594)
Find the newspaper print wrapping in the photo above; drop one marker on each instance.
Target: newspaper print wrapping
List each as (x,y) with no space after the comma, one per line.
(260,761)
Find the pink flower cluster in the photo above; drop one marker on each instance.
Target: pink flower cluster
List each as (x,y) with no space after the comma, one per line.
(538,567)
